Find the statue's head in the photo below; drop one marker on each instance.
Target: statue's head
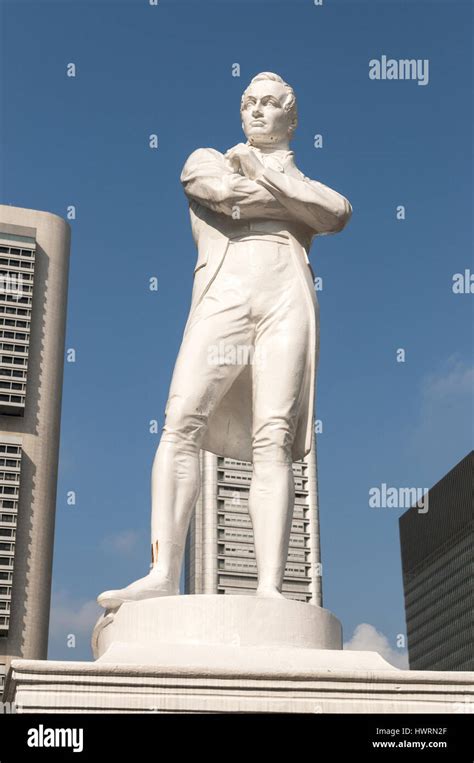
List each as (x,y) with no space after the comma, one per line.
(268,110)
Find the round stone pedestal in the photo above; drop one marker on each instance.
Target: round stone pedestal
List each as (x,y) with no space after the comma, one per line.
(141,630)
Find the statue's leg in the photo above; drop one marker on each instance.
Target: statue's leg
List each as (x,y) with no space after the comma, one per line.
(175,485)
(200,379)
(282,336)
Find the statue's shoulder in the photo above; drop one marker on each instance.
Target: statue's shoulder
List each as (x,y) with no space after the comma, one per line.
(204,155)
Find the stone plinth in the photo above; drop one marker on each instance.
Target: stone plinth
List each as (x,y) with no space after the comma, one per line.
(214,654)
(270,681)
(139,630)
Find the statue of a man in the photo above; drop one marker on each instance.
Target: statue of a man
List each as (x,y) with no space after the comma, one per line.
(244,380)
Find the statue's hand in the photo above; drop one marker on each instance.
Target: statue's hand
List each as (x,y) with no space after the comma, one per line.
(243,159)
(233,161)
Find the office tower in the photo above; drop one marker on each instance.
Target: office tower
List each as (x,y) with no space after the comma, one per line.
(437,563)
(34,261)
(220,555)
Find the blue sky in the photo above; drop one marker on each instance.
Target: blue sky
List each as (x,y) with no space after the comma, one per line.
(387,283)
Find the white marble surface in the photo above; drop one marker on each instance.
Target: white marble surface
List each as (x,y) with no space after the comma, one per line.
(139,630)
(253,215)
(336,682)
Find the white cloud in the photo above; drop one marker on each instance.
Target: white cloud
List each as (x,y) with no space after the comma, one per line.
(123,542)
(442,434)
(456,379)
(69,616)
(366,638)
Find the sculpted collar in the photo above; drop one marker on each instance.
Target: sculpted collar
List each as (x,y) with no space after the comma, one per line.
(275,159)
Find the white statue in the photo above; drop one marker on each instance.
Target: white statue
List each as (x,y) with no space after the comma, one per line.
(244,380)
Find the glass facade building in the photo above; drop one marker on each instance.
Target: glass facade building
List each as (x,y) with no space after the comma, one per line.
(438,562)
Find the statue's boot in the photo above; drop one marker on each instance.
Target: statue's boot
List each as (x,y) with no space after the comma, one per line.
(270,581)
(145,588)
(269,592)
(158,582)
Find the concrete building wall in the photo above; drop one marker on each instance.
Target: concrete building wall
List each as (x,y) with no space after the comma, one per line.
(36,428)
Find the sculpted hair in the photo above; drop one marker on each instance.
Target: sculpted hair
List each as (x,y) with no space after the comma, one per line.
(290,102)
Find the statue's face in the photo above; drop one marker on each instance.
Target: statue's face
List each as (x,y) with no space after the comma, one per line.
(264,119)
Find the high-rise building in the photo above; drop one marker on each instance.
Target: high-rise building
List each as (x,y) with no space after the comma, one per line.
(34,262)
(437,561)
(220,554)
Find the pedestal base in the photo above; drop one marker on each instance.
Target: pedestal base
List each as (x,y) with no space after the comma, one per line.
(335,682)
(137,632)
(215,654)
